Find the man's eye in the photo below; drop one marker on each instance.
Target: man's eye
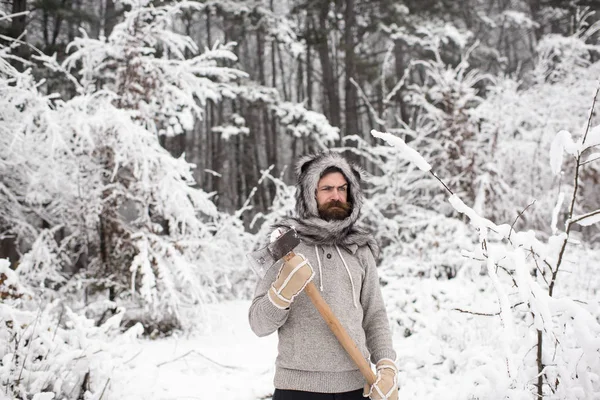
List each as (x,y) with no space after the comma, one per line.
(342,189)
(327,189)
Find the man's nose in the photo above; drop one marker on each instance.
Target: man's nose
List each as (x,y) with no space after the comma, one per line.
(336,195)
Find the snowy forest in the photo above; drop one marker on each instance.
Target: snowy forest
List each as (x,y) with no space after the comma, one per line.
(147,146)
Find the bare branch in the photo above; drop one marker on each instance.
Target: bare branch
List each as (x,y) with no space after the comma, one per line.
(201,355)
(590,160)
(476,313)
(441,181)
(589,123)
(104,389)
(569,224)
(473,258)
(363,96)
(518,216)
(540,364)
(508,273)
(485,314)
(538,268)
(398,85)
(133,358)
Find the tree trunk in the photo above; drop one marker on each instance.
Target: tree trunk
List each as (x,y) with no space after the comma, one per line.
(8,249)
(271,118)
(217,160)
(400,67)
(72,27)
(351,109)
(208,118)
(330,84)
(110,17)
(58,19)
(264,119)
(535,6)
(540,365)
(309,68)
(17,30)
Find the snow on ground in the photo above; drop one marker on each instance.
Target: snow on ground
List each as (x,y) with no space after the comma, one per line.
(229,362)
(226,361)
(442,352)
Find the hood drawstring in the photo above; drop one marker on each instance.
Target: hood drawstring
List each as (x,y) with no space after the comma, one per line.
(320,269)
(349,275)
(345,266)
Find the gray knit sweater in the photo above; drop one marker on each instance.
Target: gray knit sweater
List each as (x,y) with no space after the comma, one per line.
(310,357)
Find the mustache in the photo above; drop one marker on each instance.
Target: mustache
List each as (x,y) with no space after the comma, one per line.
(335,204)
(335,210)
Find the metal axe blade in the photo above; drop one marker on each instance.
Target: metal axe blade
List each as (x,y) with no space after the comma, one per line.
(263,259)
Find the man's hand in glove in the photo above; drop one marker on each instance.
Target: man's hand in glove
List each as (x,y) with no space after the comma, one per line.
(386,384)
(293,277)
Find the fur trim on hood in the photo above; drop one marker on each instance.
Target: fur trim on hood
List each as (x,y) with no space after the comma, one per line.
(313,229)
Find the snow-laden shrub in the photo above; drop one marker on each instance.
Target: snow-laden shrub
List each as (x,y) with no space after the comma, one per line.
(282,206)
(430,248)
(559,56)
(521,118)
(102,212)
(524,273)
(300,122)
(402,210)
(403,207)
(444,129)
(53,353)
(449,334)
(522,123)
(10,286)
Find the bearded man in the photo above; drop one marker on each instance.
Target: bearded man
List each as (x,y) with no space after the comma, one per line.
(311,364)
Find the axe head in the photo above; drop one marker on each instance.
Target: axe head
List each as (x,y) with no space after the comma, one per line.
(263,259)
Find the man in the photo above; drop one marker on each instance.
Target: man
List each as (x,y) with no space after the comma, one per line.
(311,364)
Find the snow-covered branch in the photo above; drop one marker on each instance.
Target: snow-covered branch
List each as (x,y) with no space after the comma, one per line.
(545,311)
(586,219)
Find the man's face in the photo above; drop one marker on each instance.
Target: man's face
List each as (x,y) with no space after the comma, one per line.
(332,197)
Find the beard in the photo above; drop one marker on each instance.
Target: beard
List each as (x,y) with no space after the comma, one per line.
(335,210)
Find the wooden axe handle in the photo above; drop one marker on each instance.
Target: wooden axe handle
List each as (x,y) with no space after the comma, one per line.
(337,328)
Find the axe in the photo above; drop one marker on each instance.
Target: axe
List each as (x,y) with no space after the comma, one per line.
(283,248)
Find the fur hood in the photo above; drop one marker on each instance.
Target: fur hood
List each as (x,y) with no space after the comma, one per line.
(313,229)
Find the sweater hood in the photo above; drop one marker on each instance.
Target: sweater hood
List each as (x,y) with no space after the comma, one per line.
(311,227)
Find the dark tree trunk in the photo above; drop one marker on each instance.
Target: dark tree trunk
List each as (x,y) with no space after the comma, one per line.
(17,30)
(208,118)
(265,127)
(400,66)
(330,84)
(110,17)
(309,68)
(535,6)
(351,109)
(8,249)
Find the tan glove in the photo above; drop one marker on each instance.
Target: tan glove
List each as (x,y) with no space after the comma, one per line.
(292,278)
(386,384)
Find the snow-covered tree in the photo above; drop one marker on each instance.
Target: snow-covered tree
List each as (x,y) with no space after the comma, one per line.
(96,201)
(155,71)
